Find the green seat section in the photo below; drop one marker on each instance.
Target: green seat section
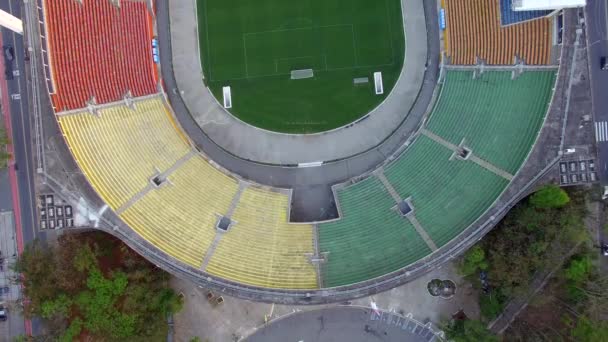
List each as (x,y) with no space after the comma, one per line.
(498,117)
(447,195)
(499,120)
(370,240)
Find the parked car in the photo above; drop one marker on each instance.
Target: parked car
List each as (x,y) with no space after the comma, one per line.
(604,63)
(605,249)
(8,71)
(9,53)
(3,312)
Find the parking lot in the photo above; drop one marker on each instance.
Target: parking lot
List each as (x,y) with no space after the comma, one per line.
(576,172)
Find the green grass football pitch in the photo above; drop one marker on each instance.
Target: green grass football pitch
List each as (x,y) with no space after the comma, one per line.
(253,45)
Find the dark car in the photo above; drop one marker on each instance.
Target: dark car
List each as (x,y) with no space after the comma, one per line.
(604,63)
(3,313)
(605,249)
(9,53)
(8,72)
(9,57)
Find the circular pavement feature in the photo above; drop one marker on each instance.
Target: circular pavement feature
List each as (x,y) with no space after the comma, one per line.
(344,323)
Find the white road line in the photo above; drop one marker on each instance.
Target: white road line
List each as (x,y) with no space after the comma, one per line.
(601,131)
(606,19)
(29,184)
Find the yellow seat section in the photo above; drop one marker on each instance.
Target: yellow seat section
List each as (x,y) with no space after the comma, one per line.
(120,148)
(261,248)
(179,217)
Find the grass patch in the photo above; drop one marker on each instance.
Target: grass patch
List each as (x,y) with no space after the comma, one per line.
(252,46)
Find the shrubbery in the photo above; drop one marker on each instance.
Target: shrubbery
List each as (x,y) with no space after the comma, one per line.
(4,155)
(550,196)
(473,261)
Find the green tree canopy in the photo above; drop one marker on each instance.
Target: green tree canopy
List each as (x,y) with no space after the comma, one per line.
(473,260)
(93,284)
(590,331)
(3,137)
(579,269)
(4,155)
(550,196)
(38,264)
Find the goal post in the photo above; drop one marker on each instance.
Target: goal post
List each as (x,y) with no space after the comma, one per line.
(378,86)
(301,74)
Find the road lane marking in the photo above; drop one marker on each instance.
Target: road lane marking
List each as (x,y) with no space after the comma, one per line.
(601,131)
(28,157)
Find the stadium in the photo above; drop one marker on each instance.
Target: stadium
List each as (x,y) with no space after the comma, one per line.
(305,153)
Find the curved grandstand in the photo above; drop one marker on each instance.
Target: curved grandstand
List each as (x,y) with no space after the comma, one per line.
(215,226)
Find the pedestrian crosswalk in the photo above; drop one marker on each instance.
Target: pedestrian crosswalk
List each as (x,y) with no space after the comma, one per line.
(407,323)
(601,131)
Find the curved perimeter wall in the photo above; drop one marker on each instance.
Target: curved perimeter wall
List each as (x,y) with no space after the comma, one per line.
(139,161)
(121,149)
(495,118)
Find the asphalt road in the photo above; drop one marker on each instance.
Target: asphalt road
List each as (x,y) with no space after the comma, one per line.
(22,139)
(351,324)
(21,129)
(596,15)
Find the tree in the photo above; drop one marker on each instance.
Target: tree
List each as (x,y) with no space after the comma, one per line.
(3,137)
(534,238)
(550,196)
(579,269)
(529,240)
(72,331)
(37,263)
(4,155)
(473,260)
(468,330)
(595,293)
(492,304)
(590,331)
(92,283)
(4,158)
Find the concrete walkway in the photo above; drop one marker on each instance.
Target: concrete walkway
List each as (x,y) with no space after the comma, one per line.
(473,158)
(234,135)
(200,318)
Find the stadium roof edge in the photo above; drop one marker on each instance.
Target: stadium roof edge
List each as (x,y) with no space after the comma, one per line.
(536,5)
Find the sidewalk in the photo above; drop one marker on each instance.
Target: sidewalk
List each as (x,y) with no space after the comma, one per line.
(10,292)
(17,321)
(236,136)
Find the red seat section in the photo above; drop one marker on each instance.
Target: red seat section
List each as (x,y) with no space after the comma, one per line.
(99,50)
(474,30)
